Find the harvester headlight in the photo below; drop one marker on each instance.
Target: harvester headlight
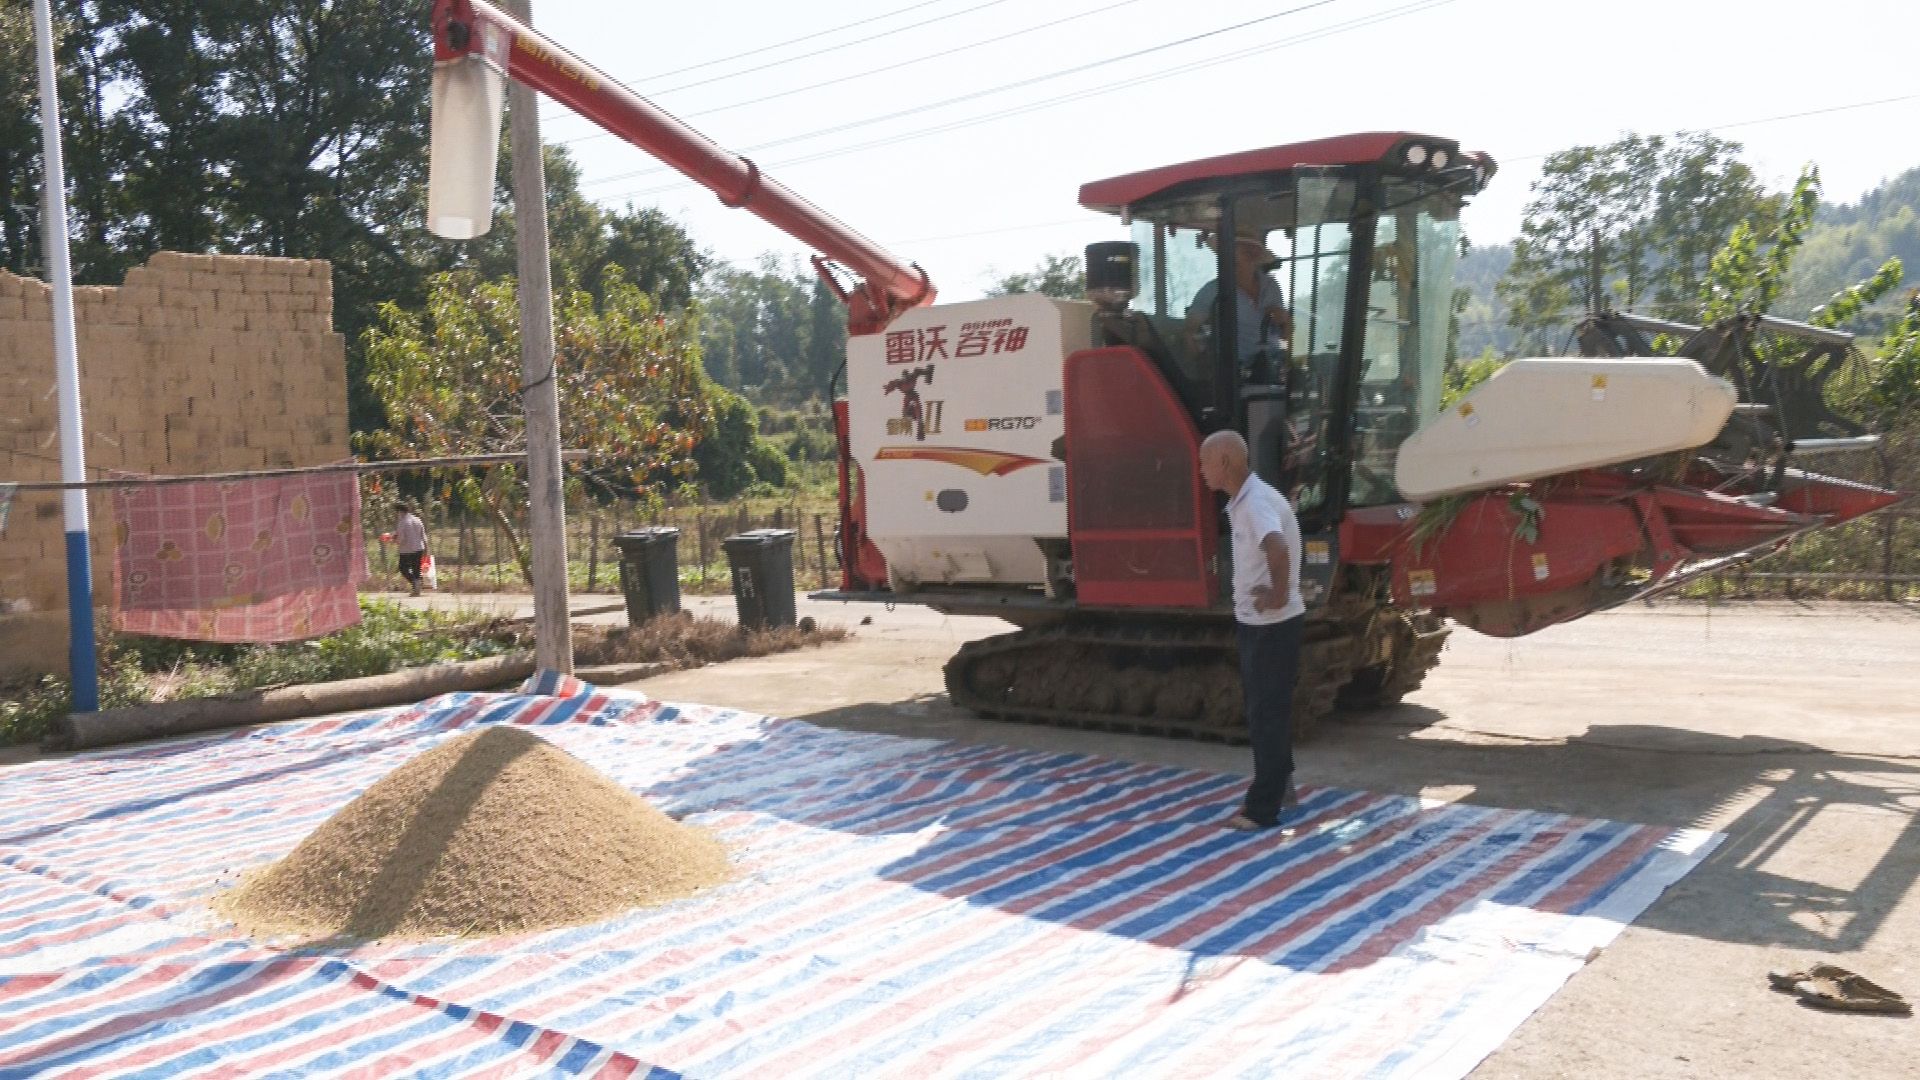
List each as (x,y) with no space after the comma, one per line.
(1440,159)
(1416,154)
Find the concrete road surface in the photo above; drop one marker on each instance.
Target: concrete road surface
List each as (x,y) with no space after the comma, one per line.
(1792,728)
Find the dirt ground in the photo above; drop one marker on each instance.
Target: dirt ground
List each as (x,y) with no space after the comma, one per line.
(1792,728)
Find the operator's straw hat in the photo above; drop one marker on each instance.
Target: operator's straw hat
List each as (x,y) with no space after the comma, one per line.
(1263,255)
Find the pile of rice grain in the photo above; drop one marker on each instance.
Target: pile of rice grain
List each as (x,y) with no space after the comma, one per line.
(495,831)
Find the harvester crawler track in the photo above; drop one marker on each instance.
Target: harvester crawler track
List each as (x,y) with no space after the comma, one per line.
(1415,640)
(1166,679)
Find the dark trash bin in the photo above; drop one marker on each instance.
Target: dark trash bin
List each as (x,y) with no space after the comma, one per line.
(762,566)
(649,572)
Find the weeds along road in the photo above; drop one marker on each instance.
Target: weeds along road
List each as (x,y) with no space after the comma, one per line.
(1792,728)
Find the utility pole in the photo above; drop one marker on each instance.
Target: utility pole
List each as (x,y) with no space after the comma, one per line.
(540,396)
(81,663)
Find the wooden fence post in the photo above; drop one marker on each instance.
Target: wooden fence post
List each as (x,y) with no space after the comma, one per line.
(1889,524)
(593,552)
(820,548)
(700,523)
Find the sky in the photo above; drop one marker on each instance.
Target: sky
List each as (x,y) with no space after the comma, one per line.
(1060,92)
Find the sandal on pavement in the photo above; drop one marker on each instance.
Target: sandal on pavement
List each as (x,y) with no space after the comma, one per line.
(1830,986)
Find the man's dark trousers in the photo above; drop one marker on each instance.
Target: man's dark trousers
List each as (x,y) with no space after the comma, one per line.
(1269,668)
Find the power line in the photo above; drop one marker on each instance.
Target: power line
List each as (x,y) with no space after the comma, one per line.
(775,45)
(1015,85)
(940,55)
(1766,120)
(1083,220)
(834,48)
(1123,84)
(816,52)
(798,40)
(1195,65)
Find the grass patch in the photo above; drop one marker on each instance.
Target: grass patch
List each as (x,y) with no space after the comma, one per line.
(139,670)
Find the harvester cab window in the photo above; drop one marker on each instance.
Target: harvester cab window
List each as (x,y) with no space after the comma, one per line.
(1409,298)
(1175,264)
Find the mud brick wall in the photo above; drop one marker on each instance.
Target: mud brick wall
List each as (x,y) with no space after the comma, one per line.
(196,364)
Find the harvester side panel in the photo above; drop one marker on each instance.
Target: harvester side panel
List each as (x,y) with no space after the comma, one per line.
(1143,531)
(955,416)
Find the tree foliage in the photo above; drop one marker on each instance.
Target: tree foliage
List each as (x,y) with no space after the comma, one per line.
(1896,376)
(1059,276)
(294,129)
(774,333)
(632,390)
(1629,224)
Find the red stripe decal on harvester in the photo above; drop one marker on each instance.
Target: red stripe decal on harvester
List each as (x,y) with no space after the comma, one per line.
(984,462)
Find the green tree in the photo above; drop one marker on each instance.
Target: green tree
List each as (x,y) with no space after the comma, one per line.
(1750,272)
(1626,223)
(1702,194)
(1058,276)
(826,341)
(755,330)
(734,457)
(94,207)
(632,389)
(1896,374)
(584,240)
(19,136)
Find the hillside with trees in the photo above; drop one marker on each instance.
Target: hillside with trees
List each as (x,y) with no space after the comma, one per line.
(1653,237)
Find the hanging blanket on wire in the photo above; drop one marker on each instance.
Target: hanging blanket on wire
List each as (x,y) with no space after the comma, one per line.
(268,559)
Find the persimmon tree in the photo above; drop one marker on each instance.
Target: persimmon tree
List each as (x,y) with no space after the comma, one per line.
(633,393)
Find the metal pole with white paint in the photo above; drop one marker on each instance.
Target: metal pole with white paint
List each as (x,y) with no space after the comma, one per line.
(73,460)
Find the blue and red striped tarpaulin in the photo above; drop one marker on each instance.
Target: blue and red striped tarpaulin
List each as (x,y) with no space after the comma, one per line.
(903,908)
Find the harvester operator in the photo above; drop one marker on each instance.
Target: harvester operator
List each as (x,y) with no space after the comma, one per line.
(1263,325)
(1269,615)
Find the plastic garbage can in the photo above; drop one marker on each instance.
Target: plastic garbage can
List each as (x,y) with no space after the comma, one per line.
(762,565)
(649,572)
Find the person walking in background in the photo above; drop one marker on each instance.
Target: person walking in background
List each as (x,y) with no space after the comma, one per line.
(1270,615)
(410,536)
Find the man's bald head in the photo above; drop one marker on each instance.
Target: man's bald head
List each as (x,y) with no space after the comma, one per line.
(1227,444)
(1223,461)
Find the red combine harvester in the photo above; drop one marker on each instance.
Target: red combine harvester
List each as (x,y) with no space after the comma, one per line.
(1038,460)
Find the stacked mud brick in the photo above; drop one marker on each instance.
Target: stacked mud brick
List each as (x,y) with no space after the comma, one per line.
(197,364)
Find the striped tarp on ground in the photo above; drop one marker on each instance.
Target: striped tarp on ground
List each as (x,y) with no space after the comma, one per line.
(904,908)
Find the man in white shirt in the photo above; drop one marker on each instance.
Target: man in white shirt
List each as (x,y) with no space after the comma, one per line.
(1270,615)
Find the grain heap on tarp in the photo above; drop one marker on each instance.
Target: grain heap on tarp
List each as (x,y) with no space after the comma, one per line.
(495,831)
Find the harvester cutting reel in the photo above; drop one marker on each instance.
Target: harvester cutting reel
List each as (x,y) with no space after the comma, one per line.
(1788,375)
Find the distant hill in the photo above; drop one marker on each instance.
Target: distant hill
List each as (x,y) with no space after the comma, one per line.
(1848,242)
(1483,325)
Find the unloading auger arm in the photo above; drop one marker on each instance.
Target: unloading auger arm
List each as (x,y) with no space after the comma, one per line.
(887,286)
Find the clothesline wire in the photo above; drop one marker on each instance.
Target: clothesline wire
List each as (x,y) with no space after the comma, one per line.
(255,474)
